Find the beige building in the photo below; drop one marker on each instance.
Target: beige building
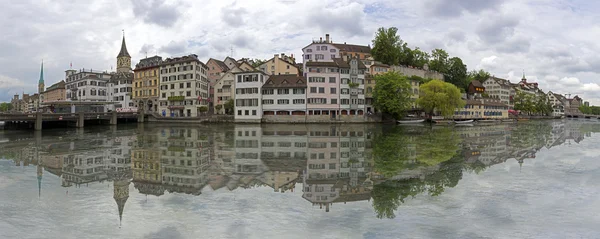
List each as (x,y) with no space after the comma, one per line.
(56,92)
(482,109)
(146,82)
(277,65)
(183,87)
(224,90)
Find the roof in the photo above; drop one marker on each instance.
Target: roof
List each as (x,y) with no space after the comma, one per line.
(476,83)
(148,62)
(175,60)
(352,48)
(341,63)
(499,81)
(321,63)
(123,52)
(219,63)
(59,85)
(376,63)
(285,81)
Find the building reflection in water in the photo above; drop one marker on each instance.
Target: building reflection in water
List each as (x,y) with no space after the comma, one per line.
(334,163)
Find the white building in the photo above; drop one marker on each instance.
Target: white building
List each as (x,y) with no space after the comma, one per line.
(284,95)
(500,89)
(89,86)
(352,87)
(248,104)
(183,87)
(558,103)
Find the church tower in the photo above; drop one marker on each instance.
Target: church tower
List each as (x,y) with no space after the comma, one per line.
(121,194)
(41,81)
(123,59)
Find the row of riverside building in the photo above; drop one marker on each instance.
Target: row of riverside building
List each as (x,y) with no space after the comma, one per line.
(334,82)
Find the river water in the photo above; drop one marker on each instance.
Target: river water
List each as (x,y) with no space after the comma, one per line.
(538,179)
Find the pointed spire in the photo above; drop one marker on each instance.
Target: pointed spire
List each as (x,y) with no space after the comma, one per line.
(123,51)
(42,74)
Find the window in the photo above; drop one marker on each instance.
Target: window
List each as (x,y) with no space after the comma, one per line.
(253,112)
(267,102)
(318,48)
(299,91)
(332,166)
(298,101)
(189,93)
(308,50)
(316,79)
(307,57)
(319,56)
(283,102)
(313,89)
(331,50)
(247,112)
(332,90)
(189,85)
(345,101)
(334,101)
(322,90)
(239,113)
(287,67)
(268,92)
(331,79)
(324,48)
(345,91)
(317,101)
(283,91)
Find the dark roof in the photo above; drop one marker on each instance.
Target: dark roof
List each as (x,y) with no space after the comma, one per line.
(321,63)
(285,81)
(341,63)
(149,62)
(123,51)
(361,65)
(182,59)
(352,48)
(476,83)
(380,64)
(220,64)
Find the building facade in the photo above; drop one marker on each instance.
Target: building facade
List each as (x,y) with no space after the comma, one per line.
(500,89)
(284,96)
(248,98)
(89,85)
(558,103)
(277,65)
(183,87)
(145,84)
(56,92)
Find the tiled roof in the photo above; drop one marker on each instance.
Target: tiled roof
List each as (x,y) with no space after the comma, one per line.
(476,83)
(285,81)
(220,64)
(353,48)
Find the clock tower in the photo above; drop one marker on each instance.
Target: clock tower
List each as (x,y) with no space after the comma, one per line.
(123,59)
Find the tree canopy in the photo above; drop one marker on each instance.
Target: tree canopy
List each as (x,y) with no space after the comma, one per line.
(440,96)
(392,93)
(229,107)
(387,45)
(439,61)
(257,62)
(457,73)
(4,107)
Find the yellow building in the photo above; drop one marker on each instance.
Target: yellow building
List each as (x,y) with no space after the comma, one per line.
(482,109)
(283,65)
(146,84)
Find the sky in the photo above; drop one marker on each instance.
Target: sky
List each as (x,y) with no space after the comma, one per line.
(552,41)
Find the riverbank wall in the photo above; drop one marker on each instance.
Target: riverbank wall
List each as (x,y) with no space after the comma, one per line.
(268,119)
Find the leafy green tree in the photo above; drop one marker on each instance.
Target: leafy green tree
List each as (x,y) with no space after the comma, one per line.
(229,107)
(392,93)
(457,73)
(480,76)
(5,107)
(257,62)
(585,109)
(440,96)
(387,46)
(420,58)
(439,61)
(406,55)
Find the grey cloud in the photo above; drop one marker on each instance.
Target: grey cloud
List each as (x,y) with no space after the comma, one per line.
(174,48)
(515,45)
(242,41)
(456,35)
(147,49)
(452,8)
(156,12)
(233,17)
(348,19)
(167,232)
(497,29)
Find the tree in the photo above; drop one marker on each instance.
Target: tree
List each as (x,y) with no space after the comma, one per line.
(257,62)
(392,93)
(440,96)
(585,109)
(480,76)
(229,107)
(5,107)
(420,58)
(524,102)
(203,109)
(406,56)
(457,73)
(387,46)
(439,61)
(218,107)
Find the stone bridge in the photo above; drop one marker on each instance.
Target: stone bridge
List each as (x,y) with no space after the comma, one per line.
(79,118)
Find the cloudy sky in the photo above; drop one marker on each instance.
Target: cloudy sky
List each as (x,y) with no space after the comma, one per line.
(554,41)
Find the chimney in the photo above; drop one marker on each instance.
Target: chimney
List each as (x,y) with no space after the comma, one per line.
(327,37)
(344,43)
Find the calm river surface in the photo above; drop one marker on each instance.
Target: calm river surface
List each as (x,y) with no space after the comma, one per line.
(538,179)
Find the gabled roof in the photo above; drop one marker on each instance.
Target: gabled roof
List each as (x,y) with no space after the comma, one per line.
(234,60)
(285,81)
(352,48)
(219,63)
(123,51)
(476,83)
(341,63)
